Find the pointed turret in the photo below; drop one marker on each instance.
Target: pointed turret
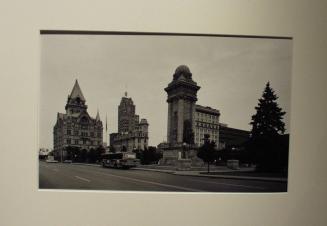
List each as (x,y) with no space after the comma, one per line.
(97,118)
(76,92)
(76,100)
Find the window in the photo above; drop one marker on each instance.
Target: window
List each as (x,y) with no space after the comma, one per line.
(68,141)
(69,131)
(76,141)
(76,132)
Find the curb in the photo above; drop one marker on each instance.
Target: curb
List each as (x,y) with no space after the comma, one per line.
(86,164)
(282,180)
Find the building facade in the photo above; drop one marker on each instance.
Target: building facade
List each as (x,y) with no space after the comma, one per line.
(75,127)
(206,122)
(232,137)
(132,132)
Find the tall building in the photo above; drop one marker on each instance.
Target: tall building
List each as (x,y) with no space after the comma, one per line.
(76,127)
(126,115)
(206,122)
(132,132)
(182,96)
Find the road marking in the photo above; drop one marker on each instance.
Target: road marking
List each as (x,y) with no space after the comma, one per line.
(153,183)
(84,179)
(228,184)
(55,169)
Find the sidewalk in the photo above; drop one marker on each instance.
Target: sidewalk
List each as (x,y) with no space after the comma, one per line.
(198,174)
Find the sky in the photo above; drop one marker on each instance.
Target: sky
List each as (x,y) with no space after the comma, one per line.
(231,71)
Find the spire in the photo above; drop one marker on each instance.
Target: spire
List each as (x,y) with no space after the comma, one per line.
(125,89)
(97,118)
(76,92)
(106,123)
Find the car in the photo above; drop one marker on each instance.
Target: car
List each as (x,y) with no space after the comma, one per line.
(68,161)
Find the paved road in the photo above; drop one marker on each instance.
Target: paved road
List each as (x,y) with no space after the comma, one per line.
(71,176)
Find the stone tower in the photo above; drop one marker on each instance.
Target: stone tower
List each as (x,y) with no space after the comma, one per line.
(182,96)
(75,101)
(126,115)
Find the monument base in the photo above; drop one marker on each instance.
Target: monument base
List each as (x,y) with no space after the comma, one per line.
(180,158)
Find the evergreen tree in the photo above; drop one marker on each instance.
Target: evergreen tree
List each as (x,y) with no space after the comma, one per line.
(267,147)
(268,119)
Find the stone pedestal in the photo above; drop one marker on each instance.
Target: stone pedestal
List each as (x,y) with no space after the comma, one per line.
(183,164)
(180,158)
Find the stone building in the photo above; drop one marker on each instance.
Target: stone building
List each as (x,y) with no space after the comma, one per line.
(132,132)
(76,127)
(206,122)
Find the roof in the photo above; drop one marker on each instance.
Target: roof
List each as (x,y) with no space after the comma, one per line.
(207,110)
(182,69)
(77,92)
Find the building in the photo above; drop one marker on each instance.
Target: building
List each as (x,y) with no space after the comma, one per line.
(206,122)
(231,137)
(76,127)
(132,132)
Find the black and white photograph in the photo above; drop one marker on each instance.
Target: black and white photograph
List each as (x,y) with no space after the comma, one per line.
(164,112)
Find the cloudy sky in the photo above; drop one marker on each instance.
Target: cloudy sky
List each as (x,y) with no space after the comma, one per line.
(232,73)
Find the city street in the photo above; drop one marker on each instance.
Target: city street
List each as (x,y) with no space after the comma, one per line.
(86,177)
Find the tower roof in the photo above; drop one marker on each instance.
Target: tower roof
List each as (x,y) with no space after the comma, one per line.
(77,92)
(182,72)
(182,69)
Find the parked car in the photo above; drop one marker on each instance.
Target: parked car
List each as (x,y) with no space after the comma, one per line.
(68,161)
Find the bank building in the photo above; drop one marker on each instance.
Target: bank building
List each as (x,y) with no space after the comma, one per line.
(76,127)
(184,112)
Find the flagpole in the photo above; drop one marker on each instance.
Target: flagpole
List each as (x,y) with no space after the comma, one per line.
(107,131)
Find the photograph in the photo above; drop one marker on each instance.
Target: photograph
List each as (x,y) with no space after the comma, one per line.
(164,112)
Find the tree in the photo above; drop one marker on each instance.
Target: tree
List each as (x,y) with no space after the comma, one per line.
(207,151)
(149,155)
(73,153)
(265,146)
(82,155)
(268,118)
(92,155)
(112,149)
